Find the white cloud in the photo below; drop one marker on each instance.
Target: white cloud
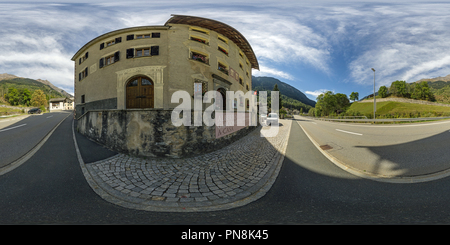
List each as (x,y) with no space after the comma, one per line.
(267,71)
(317,92)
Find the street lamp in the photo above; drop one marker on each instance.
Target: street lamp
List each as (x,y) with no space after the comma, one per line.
(374,99)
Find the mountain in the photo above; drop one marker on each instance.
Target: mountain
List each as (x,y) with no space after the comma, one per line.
(6,78)
(293,94)
(436,79)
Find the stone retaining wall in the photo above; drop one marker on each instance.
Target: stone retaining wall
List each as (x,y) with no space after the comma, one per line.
(423,102)
(150,132)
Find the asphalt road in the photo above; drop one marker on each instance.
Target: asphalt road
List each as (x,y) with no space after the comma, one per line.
(17,137)
(50,189)
(390,150)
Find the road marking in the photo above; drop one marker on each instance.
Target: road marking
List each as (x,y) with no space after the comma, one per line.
(13,127)
(49,116)
(314,122)
(348,132)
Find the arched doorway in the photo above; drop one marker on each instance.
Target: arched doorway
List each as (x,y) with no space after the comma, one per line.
(139,93)
(223,92)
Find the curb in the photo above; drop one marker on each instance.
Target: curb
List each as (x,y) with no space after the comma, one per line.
(375,177)
(106,192)
(13,165)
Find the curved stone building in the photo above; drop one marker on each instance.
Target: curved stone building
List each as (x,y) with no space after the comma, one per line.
(141,67)
(124,81)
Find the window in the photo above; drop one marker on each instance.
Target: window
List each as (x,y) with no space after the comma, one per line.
(111,59)
(142,52)
(241,82)
(223,50)
(82,59)
(83,74)
(199,30)
(223,68)
(222,39)
(111,42)
(240,65)
(82,99)
(199,57)
(142,36)
(200,40)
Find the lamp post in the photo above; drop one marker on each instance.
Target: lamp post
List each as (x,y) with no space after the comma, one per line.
(374,99)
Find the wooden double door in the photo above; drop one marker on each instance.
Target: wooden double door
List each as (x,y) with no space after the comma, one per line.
(140,92)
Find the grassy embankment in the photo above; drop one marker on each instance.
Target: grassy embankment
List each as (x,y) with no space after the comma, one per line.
(392,109)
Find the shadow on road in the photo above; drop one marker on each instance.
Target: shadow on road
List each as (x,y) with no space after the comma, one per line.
(424,156)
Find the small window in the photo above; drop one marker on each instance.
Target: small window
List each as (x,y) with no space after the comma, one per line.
(82,59)
(82,99)
(199,57)
(223,68)
(142,36)
(83,74)
(156,35)
(241,82)
(142,52)
(240,65)
(110,59)
(223,50)
(222,39)
(110,43)
(199,30)
(200,40)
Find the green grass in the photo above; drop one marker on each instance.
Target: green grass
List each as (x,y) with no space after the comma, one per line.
(392,109)
(9,111)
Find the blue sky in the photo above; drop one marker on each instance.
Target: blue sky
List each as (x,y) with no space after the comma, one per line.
(315,45)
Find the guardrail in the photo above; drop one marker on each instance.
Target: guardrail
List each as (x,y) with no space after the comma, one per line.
(380,120)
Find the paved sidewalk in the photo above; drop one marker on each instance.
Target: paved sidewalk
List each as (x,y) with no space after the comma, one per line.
(227,178)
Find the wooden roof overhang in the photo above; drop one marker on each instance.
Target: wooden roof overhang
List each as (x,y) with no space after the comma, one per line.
(219,27)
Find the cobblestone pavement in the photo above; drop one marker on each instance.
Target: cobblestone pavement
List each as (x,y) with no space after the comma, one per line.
(230,177)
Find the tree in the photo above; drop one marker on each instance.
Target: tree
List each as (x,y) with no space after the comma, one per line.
(38,99)
(422,92)
(330,103)
(382,91)
(26,97)
(13,96)
(399,88)
(354,96)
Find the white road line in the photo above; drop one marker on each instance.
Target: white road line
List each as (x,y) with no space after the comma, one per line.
(348,132)
(13,127)
(49,116)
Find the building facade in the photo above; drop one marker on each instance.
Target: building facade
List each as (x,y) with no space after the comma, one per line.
(125,79)
(59,104)
(141,67)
